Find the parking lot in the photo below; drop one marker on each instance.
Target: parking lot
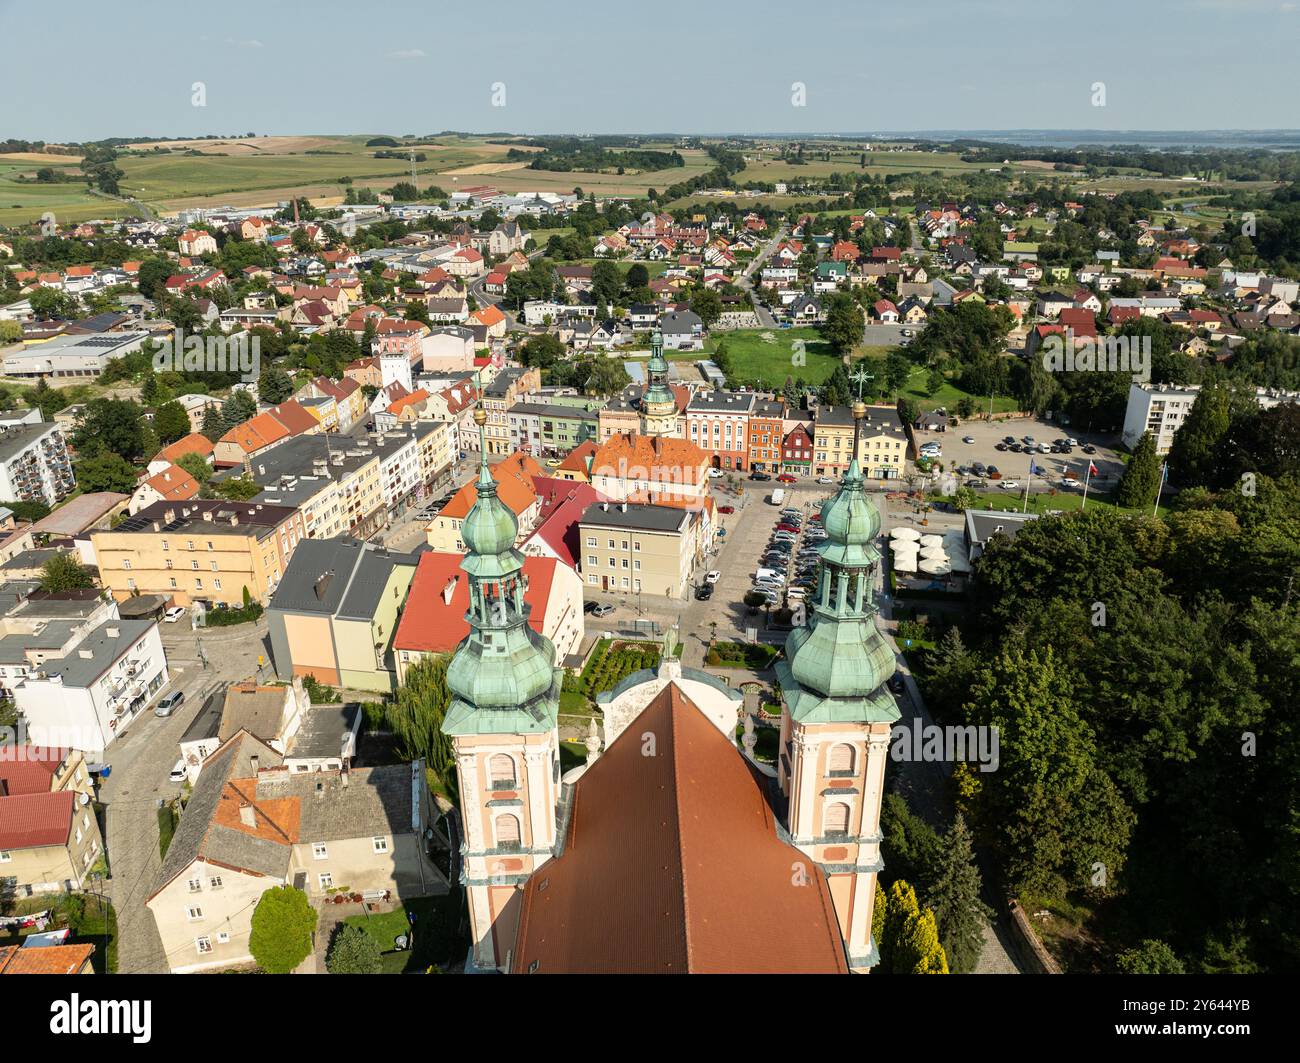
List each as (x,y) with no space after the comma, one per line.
(1015,466)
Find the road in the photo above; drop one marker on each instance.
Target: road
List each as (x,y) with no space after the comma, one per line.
(743,282)
(141,758)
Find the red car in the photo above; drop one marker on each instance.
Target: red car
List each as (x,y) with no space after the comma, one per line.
(726,509)
(787,478)
(787,528)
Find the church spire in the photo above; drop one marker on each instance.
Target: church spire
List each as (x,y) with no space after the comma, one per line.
(503,671)
(658,403)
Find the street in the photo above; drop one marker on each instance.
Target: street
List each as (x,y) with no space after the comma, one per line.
(141,758)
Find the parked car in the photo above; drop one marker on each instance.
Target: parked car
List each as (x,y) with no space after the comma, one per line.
(992,470)
(1009,485)
(173,614)
(787,478)
(976,485)
(1088,448)
(177,774)
(712,577)
(704,592)
(826,479)
(1027,440)
(603,609)
(726,509)
(1008,439)
(968,439)
(590,607)
(1070,481)
(999,446)
(716,474)
(761,476)
(168,704)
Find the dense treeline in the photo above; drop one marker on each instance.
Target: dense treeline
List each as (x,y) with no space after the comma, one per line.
(1142,673)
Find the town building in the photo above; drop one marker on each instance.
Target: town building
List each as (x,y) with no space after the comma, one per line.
(252,824)
(208,552)
(34,464)
(638,549)
(435,618)
(335,611)
(1161,410)
(50,839)
(83,693)
(718,423)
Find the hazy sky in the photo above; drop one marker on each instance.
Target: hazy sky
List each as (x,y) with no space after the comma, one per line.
(80,70)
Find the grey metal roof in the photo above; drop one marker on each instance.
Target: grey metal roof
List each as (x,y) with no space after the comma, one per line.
(91,657)
(721,402)
(341,576)
(322,731)
(635,516)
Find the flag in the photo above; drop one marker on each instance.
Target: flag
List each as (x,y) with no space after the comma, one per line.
(1092,469)
(1034,470)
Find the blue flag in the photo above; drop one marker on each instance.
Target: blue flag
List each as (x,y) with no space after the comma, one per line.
(1034,470)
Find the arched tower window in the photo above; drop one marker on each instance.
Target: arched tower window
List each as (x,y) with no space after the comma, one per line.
(507,830)
(501,769)
(836,820)
(843,759)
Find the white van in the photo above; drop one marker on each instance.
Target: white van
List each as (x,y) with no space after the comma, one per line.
(777,496)
(769,575)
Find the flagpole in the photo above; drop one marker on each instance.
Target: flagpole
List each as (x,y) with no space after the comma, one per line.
(1028,479)
(1164,474)
(1087,478)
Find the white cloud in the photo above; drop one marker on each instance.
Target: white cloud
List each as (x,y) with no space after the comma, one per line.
(407,53)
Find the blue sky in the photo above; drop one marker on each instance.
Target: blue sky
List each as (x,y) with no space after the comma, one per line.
(82,70)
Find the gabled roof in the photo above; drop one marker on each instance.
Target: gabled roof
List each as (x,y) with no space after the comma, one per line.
(48,959)
(194,443)
(672,864)
(434,618)
(173,484)
(30,821)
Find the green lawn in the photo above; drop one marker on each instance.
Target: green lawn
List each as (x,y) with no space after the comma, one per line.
(771,355)
(1042,502)
(438,929)
(949,395)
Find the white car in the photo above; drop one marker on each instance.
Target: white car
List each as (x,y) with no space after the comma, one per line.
(716,474)
(177,774)
(826,479)
(1070,481)
(1009,485)
(712,577)
(173,614)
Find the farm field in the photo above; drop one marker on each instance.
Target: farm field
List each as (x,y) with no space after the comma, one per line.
(25,202)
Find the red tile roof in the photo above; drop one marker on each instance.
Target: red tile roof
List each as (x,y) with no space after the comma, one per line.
(434,620)
(28,821)
(194,443)
(28,769)
(671,863)
(47,959)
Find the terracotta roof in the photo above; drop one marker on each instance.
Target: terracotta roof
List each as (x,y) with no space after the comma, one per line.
(576,460)
(672,864)
(48,959)
(255,434)
(194,443)
(173,484)
(630,453)
(29,770)
(31,820)
(413,399)
(558,528)
(488,315)
(515,492)
(433,624)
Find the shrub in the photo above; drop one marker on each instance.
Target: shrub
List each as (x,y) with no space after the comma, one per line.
(282,925)
(353,951)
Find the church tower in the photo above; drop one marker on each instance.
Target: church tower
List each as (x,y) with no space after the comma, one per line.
(837,714)
(658,404)
(502,722)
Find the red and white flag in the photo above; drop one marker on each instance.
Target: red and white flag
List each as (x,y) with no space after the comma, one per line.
(1092,469)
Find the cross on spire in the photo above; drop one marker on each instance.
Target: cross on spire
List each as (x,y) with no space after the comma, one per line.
(861,377)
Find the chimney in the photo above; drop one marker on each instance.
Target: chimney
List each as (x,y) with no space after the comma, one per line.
(248,816)
(113,632)
(255,761)
(207,515)
(261,470)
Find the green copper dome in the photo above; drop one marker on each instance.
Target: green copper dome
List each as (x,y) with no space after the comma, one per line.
(837,662)
(502,677)
(657,393)
(489,527)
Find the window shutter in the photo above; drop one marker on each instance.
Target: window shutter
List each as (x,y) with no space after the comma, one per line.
(502,769)
(837,819)
(508,831)
(841,758)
